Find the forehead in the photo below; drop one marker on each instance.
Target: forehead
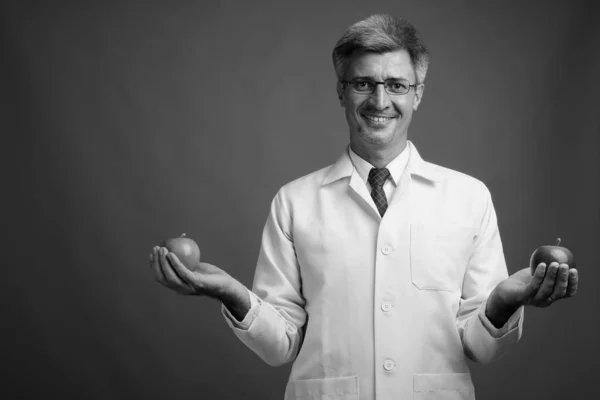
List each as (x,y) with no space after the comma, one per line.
(394,64)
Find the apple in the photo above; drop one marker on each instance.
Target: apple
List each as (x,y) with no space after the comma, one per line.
(186,250)
(548,254)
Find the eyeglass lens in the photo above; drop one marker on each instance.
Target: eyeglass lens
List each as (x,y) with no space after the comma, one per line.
(393,86)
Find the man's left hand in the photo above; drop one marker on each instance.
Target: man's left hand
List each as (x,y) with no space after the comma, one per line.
(546,286)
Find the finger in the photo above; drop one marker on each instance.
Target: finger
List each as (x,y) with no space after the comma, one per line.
(541,268)
(562,281)
(160,276)
(170,275)
(182,272)
(547,286)
(537,279)
(151,257)
(573,282)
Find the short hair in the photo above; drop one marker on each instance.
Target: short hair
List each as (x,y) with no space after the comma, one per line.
(381,33)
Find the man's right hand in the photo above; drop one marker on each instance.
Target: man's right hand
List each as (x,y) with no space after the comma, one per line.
(205,280)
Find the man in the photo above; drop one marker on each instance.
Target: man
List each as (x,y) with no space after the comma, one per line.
(382,273)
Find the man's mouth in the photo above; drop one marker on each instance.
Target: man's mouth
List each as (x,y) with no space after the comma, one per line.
(377,118)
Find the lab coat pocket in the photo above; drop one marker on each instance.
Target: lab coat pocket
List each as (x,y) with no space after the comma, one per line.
(340,388)
(456,386)
(439,254)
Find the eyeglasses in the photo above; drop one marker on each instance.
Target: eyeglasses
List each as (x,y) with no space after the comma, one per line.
(367,86)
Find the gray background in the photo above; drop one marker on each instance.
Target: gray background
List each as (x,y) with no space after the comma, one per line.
(124,124)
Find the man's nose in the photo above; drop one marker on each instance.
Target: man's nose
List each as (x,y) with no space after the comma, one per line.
(380,98)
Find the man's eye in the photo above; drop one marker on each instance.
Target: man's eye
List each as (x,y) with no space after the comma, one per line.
(362,84)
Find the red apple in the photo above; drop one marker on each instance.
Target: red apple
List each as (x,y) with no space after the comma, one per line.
(548,254)
(186,250)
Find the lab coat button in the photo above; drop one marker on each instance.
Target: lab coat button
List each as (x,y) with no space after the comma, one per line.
(386,250)
(389,365)
(386,306)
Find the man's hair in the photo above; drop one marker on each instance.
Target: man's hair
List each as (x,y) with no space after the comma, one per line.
(381,33)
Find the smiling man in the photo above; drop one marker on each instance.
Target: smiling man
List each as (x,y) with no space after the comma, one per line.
(379,107)
(382,274)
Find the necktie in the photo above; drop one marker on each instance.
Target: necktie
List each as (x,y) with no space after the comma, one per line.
(377,177)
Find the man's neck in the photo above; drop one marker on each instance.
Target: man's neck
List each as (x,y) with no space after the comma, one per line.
(378,156)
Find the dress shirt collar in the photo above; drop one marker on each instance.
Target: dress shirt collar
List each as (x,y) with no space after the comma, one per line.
(343,167)
(396,166)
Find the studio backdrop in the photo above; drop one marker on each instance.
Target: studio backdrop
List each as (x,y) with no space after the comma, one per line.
(125,123)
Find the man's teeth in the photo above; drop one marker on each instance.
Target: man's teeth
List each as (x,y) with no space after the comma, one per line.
(377,119)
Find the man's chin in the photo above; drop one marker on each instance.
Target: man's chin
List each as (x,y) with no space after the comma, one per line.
(376,137)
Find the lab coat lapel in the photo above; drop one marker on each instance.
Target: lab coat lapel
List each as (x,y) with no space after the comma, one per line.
(359,187)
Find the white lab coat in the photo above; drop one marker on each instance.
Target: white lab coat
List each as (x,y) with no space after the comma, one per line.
(378,308)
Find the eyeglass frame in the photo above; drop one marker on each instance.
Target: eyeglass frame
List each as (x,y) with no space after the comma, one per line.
(414,85)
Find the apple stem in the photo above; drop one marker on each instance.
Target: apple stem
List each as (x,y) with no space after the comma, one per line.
(183,234)
(557,241)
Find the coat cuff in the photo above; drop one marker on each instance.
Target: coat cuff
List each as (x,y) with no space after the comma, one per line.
(515,321)
(244,324)
(485,343)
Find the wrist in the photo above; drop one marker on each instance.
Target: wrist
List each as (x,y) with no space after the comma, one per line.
(236,299)
(498,309)
(227,288)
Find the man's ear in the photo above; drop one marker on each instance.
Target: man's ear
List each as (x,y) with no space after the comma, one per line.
(340,92)
(419,89)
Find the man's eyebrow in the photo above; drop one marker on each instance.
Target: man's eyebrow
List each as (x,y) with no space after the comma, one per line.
(387,79)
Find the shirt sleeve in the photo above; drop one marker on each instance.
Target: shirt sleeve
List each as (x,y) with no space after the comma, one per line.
(482,342)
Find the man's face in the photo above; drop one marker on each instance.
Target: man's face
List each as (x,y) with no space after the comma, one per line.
(379,118)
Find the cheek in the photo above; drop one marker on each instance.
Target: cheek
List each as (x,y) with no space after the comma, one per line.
(405,107)
(352,110)
(350,116)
